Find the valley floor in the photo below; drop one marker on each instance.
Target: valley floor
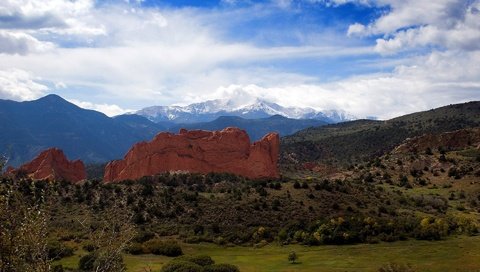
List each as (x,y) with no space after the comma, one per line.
(461,253)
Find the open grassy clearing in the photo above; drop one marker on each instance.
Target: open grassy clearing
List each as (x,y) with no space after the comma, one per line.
(460,253)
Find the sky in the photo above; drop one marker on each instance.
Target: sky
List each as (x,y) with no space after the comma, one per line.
(380,58)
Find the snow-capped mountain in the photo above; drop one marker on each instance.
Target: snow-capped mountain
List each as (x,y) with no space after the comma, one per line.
(212,109)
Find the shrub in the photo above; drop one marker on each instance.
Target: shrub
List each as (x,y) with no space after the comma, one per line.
(98,262)
(202,260)
(221,268)
(58,268)
(181,266)
(89,247)
(86,263)
(136,249)
(167,248)
(144,236)
(57,250)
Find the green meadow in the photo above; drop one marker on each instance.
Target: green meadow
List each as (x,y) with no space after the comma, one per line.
(460,253)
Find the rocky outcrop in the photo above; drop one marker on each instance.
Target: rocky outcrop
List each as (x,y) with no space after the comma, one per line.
(199,151)
(52,164)
(454,140)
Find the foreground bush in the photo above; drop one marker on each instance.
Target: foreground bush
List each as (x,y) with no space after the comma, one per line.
(166,248)
(200,263)
(181,266)
(202,260)
(57,250)
(101,262)
(221,268)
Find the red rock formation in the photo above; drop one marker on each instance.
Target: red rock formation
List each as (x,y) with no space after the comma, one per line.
(457,139)
(199,151)
(52,165)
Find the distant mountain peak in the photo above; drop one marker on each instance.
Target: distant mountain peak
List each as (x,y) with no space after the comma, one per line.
(249,108)
(52,98)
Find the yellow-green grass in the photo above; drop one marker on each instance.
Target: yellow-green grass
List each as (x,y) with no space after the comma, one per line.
(454,254)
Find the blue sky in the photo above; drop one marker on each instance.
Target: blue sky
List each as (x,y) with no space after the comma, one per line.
(369,57)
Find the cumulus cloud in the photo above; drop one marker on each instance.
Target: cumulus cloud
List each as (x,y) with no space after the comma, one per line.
(107,109)
(34,19)
(20,85)
(435,80)
(449,24)
(130,56)
(21,43)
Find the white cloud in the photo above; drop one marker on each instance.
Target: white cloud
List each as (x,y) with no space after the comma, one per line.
(21,43)
(410,24)
(357,29)
(20,85)
(132,57)
(107,109)
(61,17)
(436,80)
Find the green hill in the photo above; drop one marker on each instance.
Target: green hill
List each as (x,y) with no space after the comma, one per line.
(355,141)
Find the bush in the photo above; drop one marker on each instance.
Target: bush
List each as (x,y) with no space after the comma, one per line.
(221,268)
(202,260)
(58,268)
(87,262)
(89,247)
(144,236)
(136,249)
(181,266)
(57,250)
(167,248)
(97,262)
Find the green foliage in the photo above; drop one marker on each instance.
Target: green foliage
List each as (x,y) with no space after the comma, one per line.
(136,249)
(432,229)
(57,250)
(292,257)
(97,261)
(221,268)
(365,139)
(200,263)
(160,247)
(181,266)
(202,260)
(23,228)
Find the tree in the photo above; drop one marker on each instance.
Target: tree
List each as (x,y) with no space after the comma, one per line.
(23,231)
(292,257)
(111,234)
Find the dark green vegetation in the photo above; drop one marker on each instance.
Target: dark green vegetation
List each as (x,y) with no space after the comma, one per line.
(386,208)
(383,200)
(361,140)
(202,263)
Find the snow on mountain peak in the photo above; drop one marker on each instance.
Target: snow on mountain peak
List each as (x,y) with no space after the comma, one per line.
(246,107)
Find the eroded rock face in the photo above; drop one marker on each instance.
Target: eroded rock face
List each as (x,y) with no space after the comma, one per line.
(52,164)
(199,151)
(457,139)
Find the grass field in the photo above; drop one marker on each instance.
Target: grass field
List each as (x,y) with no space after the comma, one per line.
(454,254)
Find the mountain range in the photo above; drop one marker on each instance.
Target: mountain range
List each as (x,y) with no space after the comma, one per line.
(257,108)
(32,126)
